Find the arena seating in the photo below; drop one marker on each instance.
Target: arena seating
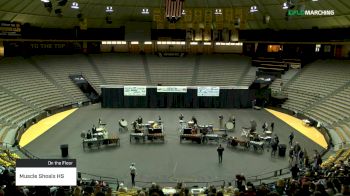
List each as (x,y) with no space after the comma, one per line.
(221,69)
(23,79)
(13,111)
(121,68)
(315,82)
(334,109)
(59,68)
(248,78)
(171,70)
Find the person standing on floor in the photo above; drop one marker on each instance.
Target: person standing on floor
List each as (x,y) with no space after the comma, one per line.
(291,137)
(220,152)
(272,126)
(132,173)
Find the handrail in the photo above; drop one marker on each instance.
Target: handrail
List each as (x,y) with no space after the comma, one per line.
(206,183)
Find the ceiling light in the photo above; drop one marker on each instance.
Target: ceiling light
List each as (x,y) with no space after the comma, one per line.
(45,1)
(285,6)
(193,43)
(75,5)
(134,42)
(314,0)
(109,9)
(145,11)
(207,43)
(147,42)
(253,9)
(218,12)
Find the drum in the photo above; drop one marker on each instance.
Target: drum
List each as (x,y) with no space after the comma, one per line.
(138,126)
(123,123)
(190,123)
(229,125)
(83,134)
(155,126)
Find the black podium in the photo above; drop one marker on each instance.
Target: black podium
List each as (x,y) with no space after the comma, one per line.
(64,150)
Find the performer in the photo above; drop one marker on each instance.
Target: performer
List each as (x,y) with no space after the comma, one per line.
(272,126)
(99,122)
(139,120)
(291,137)
(265,126)
(220,152)
(181,117)
(132,173)
(94,129)
(134,125)
(88,135)
(252,126)
(233,121)
(194,120)
(194,130)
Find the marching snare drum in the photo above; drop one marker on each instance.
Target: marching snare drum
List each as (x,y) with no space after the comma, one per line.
(229,125)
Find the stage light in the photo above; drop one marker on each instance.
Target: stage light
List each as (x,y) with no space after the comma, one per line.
(253,9)
(145,11)
(109,9)
(75,5)
(218,12)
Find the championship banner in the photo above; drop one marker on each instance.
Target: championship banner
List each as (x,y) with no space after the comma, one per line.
(171,89)
(208,91)
(134,90)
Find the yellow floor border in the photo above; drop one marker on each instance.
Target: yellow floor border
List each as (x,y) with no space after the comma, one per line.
(310,132)
(42,126)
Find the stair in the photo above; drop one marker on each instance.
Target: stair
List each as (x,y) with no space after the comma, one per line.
(147,72)
(330,94)
(53,81)
(195,69)
(246,76)
(94,67)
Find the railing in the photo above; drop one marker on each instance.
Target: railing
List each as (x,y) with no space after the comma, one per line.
(186,183)
(87,177)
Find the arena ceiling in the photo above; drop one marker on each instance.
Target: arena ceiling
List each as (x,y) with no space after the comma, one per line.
(34,12)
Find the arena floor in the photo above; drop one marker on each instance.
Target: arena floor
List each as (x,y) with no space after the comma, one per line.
(170,161)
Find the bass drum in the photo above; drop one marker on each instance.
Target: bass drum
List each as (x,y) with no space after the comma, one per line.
(123,123)
(229,125)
